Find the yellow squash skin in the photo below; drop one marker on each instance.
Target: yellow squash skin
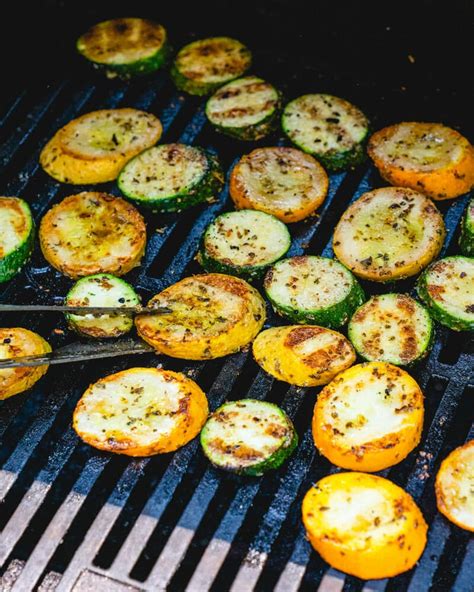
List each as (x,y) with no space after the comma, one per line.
(212,315)
(141,412)
(364,525)
(428,157)
(96,146)
(369,417)
(303,355)
(454,486)
(91,233)
(14,343)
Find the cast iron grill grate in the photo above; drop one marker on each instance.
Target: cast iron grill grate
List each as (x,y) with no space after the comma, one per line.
(76,519)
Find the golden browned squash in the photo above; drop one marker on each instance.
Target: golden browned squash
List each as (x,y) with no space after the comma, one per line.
(212,315)
(364,525)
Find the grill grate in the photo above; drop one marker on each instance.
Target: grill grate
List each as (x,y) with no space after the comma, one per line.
(76,519)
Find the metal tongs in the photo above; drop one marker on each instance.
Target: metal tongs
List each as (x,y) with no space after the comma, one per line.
(80,352)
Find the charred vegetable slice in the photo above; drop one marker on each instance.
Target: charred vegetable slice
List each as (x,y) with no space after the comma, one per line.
(244,243)
(364,525)
(101,290)
(313,290)
(248,437)
(92,232)
(391,328)
(454,486)
(125,46)
(428,157)
(141,412)
(331,129)
(281,181)
(369,417)
(447,288)
(305,356)
(202,66)
(171,177)
(17,236)
(246,108)
(389,234)
(466,240)
(212,315)
(17,342)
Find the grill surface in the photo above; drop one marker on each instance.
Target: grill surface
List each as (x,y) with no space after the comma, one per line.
(75,518)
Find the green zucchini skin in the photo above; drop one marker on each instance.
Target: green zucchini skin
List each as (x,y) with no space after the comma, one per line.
(466,239)
(236,437)
(404,323)
(12,262)
(145,65)
(461,275)
(332,316)
(204,189)
(249,224)
(350,153)
(252,131)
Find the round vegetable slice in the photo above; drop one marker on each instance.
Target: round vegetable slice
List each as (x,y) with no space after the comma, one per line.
(428,157)
(284,182)
(389,234)
(369,417)
(202,66)
(454,486)
(141,412)
(331,129)
(246,108)
(312,289)
(94,147)
(305,356)
(466,240)
(101,289)
(447,288)
(364,525)
(244,243)
(92,232)
(212,315)
(171,177)
(125,46)
(17,236)
(248,437)
(17,342)
(391,328)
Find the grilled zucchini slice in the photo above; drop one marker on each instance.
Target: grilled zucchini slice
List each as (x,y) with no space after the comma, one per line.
(428,157)
(204,65)
(248,437)
(364,525)
(91,233)
(284,182)
(246,108)
(141,412)
(389,234)
(447,288)
(454,486)
(125,46)
(313,290)
(305,356)
(391,328)
(94,147)
(331,129)
(244,243)
(17,342)
(466,240)
(213,315)
(17,236)
(369,417)
(171,177)
(101,289)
